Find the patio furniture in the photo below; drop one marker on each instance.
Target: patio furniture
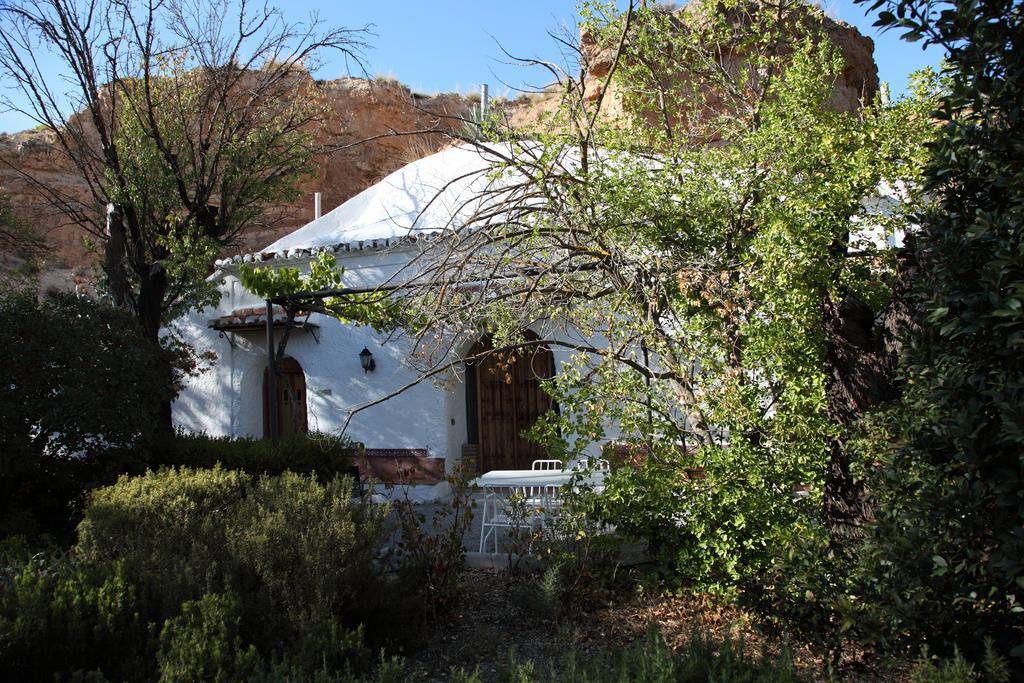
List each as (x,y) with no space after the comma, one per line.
(507,504)
(591,464)
(538,496)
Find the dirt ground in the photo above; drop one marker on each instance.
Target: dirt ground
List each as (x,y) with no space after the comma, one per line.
(501,614)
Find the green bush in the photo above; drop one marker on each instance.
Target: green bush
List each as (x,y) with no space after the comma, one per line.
(170,529)
(943,563)
(321,455)
(218,574)
(300,555)
(79,404)
(203,643)
(58,618)
(313,556)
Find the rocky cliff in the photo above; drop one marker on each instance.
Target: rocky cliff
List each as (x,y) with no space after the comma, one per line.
(857,83)
(361,111)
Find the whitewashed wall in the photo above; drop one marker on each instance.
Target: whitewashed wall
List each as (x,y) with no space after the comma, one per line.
(227,400)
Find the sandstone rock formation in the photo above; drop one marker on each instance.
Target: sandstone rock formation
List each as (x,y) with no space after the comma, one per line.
(858,82)
(361,109)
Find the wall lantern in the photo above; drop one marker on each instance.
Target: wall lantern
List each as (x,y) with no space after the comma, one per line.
(366,360)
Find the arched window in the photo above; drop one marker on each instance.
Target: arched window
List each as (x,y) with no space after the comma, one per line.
(290,386)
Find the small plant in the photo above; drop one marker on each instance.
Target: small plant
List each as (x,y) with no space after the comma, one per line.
(956,669)
(432,560)
(698,660)
(577,552)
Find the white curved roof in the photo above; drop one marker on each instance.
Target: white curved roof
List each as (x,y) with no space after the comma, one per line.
(428,195)
(419,200)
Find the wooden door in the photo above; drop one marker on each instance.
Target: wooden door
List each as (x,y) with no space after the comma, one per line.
(290,388)
(509,401)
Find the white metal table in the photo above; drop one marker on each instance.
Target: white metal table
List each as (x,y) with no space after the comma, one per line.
(538,490)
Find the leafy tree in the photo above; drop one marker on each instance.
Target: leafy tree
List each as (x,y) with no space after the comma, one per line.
(695,210)
(944,563)
(77,403)
(187,120)
(297,293)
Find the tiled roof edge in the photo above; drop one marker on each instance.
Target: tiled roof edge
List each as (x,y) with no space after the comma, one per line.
(305,253)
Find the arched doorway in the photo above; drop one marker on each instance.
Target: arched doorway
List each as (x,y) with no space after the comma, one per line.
(290,386)
(504,398)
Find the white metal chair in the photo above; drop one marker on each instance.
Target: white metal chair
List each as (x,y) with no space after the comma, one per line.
(514,511)
(540,494)
(591,464)
(545,498)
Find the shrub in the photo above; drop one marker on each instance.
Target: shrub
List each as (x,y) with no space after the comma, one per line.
(58,618)
(312,555)
(169,528)
(203,643)
(300,555)
(321,455)
(78,405)
(944,561)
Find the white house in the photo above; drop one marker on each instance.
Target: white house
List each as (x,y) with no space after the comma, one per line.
(372,235)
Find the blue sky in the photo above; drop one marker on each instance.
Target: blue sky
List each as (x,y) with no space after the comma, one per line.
(455,45)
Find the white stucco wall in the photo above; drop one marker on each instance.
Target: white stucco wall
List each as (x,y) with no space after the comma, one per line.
(227,399)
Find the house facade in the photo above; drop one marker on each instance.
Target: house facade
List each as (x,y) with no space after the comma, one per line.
(467,410)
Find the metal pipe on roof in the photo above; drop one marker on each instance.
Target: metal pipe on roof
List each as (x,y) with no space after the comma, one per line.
(485,105)
(316,206)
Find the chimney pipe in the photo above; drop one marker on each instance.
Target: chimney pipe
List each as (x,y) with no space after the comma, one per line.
(484,103)
(316,206)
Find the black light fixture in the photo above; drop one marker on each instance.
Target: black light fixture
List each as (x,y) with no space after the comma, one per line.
(366,360)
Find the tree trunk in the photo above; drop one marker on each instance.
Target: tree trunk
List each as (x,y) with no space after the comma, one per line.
(113,257)
(861,359)
(150,309)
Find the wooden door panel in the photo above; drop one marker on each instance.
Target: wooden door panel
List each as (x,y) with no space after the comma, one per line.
(509,401)
(290,387)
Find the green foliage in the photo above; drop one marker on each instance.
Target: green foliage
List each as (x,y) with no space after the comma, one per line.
(312,551)
(218,574)
(944,563)
(202,643)
(300,556)
(956,669)
(806,592)
(376,309)
(58,617)
(578,558)
(700,659)
(321,455)
(689,279)
(78,405)
(170,529)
